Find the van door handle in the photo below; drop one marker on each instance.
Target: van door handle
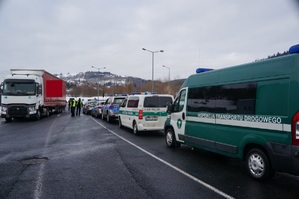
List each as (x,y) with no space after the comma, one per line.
(183,116)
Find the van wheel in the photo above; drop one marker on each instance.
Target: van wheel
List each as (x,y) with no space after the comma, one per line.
(135,128)
(170,139)
(258,165)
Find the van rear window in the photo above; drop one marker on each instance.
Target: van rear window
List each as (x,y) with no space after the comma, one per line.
(157,101)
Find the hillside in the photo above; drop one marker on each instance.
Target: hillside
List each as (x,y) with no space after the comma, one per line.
(85,84)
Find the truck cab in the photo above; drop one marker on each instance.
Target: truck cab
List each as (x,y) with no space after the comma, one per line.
(21,97)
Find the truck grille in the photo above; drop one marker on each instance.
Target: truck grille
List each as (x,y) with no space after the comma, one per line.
(16,111)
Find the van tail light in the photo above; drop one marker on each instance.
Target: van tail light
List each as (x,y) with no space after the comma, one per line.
(295,129)
(140,114)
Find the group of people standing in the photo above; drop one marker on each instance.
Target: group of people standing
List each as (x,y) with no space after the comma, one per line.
(75,106)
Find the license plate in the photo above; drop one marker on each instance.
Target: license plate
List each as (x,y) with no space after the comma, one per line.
(151,118)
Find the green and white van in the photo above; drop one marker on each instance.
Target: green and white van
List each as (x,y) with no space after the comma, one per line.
(250,112)
(144,112)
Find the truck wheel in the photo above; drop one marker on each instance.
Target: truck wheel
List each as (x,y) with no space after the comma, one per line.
(47,113)
(37,115)
(8,119)
(258,165)
(170,139)
(135,128)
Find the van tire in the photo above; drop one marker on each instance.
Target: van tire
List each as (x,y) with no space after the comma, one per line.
(135,129)
(258,165)
(170,139)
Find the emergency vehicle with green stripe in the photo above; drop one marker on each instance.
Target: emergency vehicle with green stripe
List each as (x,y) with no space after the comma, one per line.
(250,112)
(144,111)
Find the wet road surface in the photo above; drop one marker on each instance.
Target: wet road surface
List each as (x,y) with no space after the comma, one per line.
(85,157)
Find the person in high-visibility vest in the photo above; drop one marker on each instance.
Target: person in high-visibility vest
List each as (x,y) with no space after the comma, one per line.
(79,105)
(73,107)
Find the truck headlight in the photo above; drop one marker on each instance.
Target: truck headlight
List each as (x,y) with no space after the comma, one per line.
(3,108)
(31,109)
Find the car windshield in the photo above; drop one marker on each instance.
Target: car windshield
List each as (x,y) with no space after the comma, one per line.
(118,100)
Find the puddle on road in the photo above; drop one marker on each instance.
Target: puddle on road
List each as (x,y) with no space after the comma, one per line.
(34,160)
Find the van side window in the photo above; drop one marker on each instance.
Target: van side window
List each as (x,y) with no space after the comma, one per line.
(180,102)
(202,99)
(133,102)
(230,98)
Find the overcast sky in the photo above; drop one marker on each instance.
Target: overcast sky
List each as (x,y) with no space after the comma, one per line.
(64,36)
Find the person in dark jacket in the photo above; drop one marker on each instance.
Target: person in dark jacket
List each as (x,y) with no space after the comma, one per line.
(79,105)
(73,107)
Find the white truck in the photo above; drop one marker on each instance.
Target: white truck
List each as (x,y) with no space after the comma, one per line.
(31,93)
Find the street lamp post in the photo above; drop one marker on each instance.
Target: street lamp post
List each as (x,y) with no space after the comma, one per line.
(98,79)
(153,59)
(168,78)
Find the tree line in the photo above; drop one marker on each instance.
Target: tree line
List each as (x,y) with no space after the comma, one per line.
(162,87)
(90,90)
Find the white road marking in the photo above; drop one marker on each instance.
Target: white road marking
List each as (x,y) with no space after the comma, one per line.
(39,181)
(170,165)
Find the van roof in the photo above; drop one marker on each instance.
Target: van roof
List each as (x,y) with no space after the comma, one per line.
(250,71)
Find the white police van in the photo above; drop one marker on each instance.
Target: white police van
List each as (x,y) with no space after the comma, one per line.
(144,111)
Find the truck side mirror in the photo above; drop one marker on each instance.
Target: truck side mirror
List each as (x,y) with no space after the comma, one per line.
(39,89)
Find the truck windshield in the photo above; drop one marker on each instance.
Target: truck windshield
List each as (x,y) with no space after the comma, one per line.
(19,87)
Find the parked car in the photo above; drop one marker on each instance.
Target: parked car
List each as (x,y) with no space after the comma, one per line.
(93,111)
(111,107)
(87,107)
(97,110)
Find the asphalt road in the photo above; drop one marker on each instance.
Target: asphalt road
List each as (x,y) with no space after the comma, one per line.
(85,157)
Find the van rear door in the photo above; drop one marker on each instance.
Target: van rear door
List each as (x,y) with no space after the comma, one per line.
(154,110)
